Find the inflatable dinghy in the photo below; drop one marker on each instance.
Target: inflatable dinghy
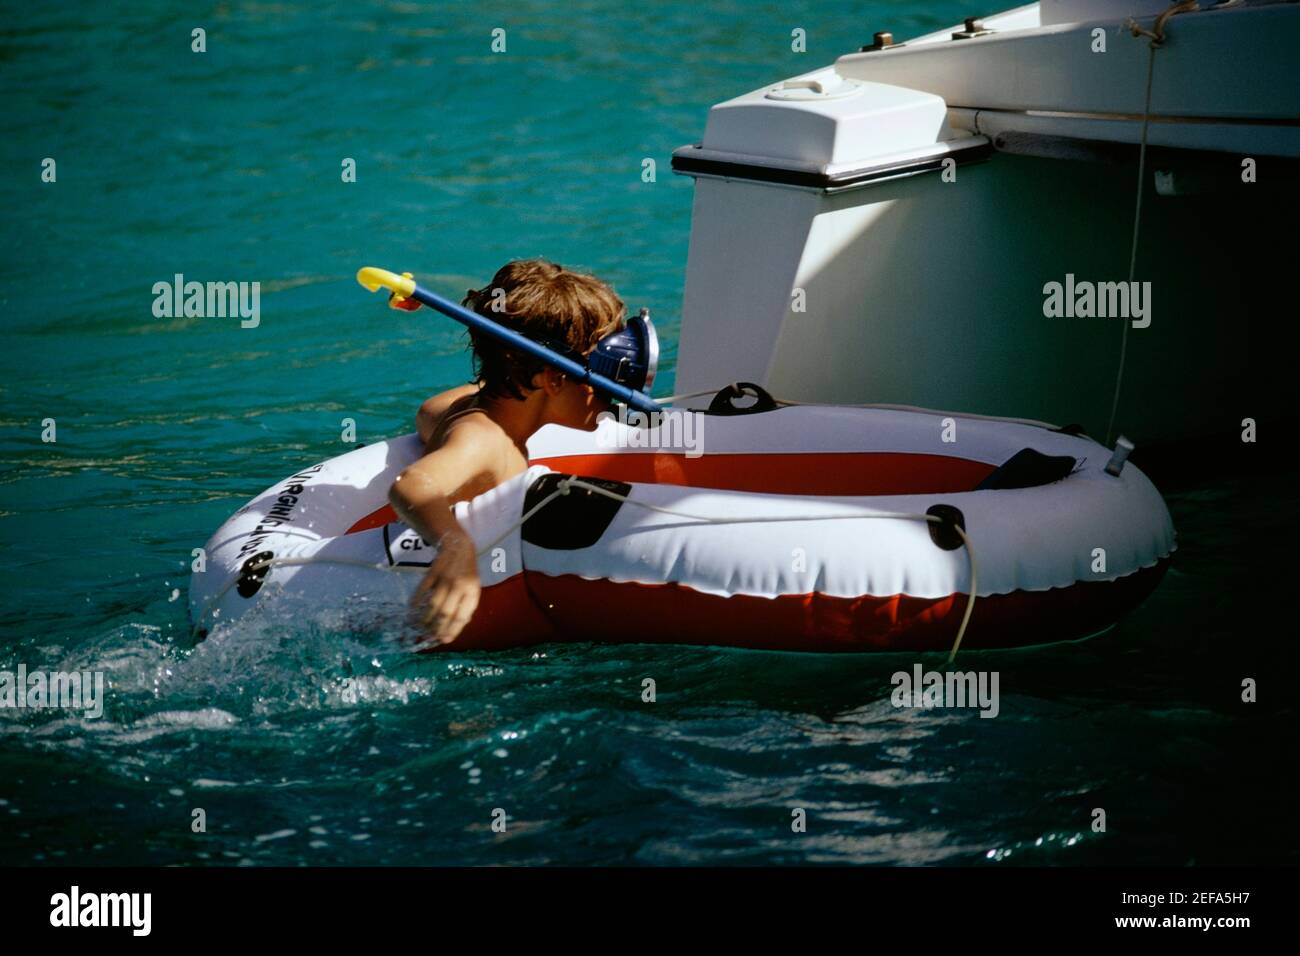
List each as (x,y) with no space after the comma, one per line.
(800,528)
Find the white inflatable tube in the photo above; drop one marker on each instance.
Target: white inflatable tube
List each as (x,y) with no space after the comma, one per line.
(700,553)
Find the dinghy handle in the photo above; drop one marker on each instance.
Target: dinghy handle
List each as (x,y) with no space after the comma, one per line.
(943,532)
(724,403)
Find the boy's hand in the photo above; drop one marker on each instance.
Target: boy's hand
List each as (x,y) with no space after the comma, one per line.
(447,597)
(423,495)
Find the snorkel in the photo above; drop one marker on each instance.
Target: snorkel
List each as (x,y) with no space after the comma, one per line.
(621,365)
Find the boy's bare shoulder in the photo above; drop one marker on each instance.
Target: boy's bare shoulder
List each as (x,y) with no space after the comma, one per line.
(468,426)
(472,423)
(474,445)
(433,410)
(442,402)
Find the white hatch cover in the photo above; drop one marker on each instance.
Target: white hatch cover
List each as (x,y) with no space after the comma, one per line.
(823,119)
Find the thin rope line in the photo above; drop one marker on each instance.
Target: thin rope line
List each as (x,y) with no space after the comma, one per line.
(887,406)
(1157,37)
(1133,251)
(564,487)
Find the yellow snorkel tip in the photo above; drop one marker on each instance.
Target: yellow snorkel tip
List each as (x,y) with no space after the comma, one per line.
(374,279)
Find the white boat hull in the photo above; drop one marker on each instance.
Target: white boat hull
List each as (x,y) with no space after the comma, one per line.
(827,269)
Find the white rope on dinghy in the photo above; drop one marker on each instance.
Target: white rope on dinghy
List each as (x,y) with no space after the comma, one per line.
(563,488)
(885,406)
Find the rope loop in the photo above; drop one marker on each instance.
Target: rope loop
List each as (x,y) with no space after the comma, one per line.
(1157,32)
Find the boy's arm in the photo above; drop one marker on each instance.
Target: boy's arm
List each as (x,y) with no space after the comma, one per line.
(422,495)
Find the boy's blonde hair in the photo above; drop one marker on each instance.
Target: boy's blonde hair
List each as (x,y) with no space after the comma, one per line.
(545,302)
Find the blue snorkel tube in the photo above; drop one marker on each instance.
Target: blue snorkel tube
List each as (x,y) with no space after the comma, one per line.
(631,352)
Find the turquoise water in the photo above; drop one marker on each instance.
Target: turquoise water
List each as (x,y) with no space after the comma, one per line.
(226,166)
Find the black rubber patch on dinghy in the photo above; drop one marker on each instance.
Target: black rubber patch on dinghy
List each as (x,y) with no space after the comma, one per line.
(942,531)
(573,521)
(253,573)
(1028,469)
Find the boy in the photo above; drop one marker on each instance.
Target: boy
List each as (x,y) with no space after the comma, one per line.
(476,435)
